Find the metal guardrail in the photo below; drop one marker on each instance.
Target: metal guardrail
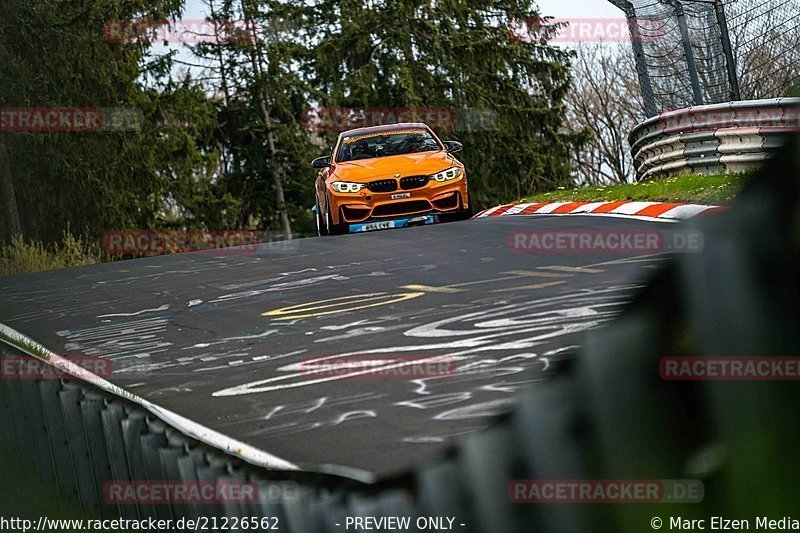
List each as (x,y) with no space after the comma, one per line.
(78,437)
(712,139)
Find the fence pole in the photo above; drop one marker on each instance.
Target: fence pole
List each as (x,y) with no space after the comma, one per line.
(691,64)
(638,53)
(730,62)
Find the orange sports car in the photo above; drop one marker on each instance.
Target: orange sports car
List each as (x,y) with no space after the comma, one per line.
(389,176)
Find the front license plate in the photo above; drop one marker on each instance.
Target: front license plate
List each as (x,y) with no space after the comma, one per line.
(396,223)
(378,225)
(401,195)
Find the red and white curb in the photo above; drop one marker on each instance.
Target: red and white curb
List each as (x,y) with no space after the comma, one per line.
(649,210)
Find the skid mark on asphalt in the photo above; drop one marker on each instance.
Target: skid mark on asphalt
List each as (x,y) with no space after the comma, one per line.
(530,273)
(530,287)
(440,437)
(578,270)
(436,401)
(512,327)
(136,313)
(137,339)
(305,408)
(234,338)
(298,427)
(360,332)
(479,410)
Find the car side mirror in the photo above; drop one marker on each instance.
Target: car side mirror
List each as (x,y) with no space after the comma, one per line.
(453,146)
(321,162)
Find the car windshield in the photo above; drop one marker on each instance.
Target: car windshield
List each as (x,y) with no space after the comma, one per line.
(386,143)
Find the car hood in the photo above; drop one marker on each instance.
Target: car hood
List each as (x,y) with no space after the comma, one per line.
(384,167)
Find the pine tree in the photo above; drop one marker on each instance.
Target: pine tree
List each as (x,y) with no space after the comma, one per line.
(455,54)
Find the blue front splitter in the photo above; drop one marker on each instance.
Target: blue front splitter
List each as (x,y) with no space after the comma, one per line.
(421,220)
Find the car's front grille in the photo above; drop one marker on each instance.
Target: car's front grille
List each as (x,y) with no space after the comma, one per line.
(414,182)
(401,208)
(388,185)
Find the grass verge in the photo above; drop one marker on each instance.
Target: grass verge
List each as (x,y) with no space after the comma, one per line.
(22,257)
(688,188)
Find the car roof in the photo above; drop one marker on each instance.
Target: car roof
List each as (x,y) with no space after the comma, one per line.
(385,127)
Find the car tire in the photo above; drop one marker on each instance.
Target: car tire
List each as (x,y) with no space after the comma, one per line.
(463,214)
(333,229)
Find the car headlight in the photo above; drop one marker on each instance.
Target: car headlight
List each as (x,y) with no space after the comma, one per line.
(346,186)
(446,175)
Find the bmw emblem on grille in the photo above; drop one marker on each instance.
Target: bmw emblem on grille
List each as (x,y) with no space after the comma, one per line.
(397,175)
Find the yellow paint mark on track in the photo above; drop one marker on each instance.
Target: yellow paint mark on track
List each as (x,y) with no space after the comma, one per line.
(427,288)
(342,304)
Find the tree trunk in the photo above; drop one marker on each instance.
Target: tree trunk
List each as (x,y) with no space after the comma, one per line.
(277,170)
(9,200)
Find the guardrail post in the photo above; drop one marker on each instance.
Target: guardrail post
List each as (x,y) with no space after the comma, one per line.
(442,491)
(187,471)
(91,407)
(303,512)
(132,428)
(232,475)
(488,461)
(7,437)
(211,472)
(70,398)
(40,442)
(20,426)
(272,500)
(553,428)
(152,443)
(112,417)
(169,457)
(57,437)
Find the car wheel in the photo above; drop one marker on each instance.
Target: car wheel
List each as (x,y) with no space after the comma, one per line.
(463,214)
(331,228)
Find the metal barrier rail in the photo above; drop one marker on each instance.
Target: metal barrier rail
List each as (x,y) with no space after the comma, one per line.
(78,437)
(713,139)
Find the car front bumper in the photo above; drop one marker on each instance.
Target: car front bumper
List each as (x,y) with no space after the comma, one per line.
(368,206)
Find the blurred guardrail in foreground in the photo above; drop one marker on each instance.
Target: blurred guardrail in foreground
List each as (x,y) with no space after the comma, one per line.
(712,139)
(607,414)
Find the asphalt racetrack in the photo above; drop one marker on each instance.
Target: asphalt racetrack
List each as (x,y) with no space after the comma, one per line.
(228,339)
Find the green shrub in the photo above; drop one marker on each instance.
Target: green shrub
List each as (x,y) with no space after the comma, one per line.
(20,257)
